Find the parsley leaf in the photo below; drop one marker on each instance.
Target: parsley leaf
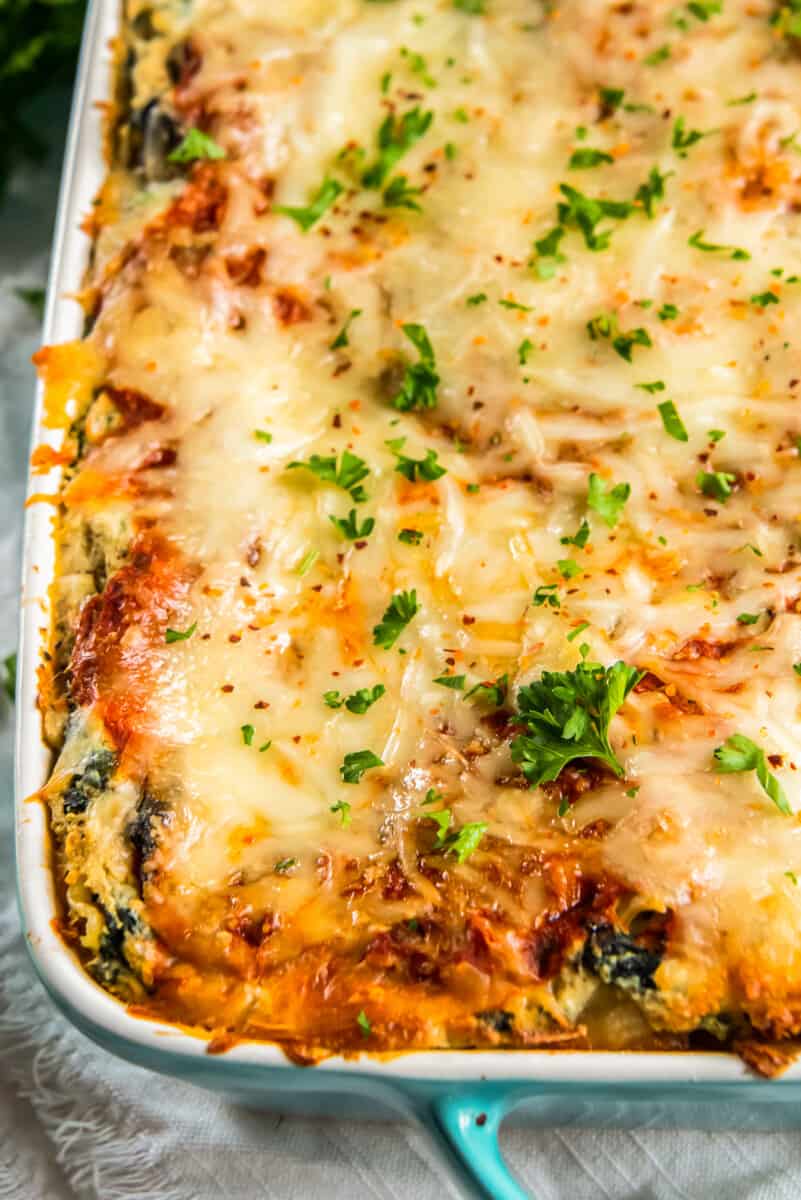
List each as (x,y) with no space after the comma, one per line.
(285,865)
(454,682)
(523,351)
(747,618)
(196,145)
(568,567)
(586,157)
(738,754)
(684,138)
(716,484)
(580,538)
(545,595)
(396,137)
(657,386)
(415,469)
(349,526)
(763,299)
(662,54)
(320,203)
(341,339)
(491,692)
(713,248)
(585,214)
(466,841)
(605,325)
(400,194)
(401,609)
(668,312)
(548,257)
(343,808)
(608,504)
(652,190)
(672,421)
(475,300)
(247,734)
(355,764)
(412,537)
(346,475)
(364,1024)
(177,635)
(359,702)
(418,388)
(567,715)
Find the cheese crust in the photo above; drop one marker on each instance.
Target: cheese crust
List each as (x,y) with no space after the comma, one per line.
(425,646)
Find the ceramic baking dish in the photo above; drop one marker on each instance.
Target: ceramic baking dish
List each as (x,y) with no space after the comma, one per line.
(459,1097)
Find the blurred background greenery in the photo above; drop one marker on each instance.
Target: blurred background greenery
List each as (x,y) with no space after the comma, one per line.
(39,42)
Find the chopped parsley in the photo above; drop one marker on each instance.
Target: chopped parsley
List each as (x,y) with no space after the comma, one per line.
(247,734)
(748,618)
(523,351)
(580,538)
(668,312)
(412,537)
(605,326)
(350,528)
(285,865)
(396,136)
(355,764)
(749,99)
(475,300)
(415,469)
(586,157)
(652,190)
(418,66)
(608,504)
(364,1024)
(545,596)
(714,248)
(514,304)
(343,808)
(584,213)
(178,635)
(474,7)
(196,145)
(548,257)
(401,194)
(400,611)
(341,339)
(683,138)
(492,692)
(358,702)
(657,386)
(704,9)
(574,633)
(568,567)
(763,299)
(418,388)
(466,841)
(674,426)
(660,55)
(716,484)
(307,562)
(738,754)
(346,474)
(566,715)
(716,435)
(454,682)
(319,204)
(262,435)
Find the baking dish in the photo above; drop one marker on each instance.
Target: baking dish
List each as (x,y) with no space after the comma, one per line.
(460,1097)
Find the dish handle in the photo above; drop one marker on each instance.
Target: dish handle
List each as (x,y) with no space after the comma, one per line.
(469,1125)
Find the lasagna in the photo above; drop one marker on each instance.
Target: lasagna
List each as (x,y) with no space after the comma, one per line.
(425,655)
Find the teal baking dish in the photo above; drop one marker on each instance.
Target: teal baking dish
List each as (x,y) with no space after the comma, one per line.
(460,1098)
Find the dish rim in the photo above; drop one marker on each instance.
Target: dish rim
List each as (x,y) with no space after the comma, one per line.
(57,965)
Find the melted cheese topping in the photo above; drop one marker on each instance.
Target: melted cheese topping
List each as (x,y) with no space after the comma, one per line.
(221,313)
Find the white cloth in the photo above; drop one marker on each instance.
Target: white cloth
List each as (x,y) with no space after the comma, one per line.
(77,1123)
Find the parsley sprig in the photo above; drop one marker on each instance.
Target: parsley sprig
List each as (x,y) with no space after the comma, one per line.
(321,201)
(566,715)
(739,754)
(608,504)
(346,473)
(402,608)
(418,389)
(396,136)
